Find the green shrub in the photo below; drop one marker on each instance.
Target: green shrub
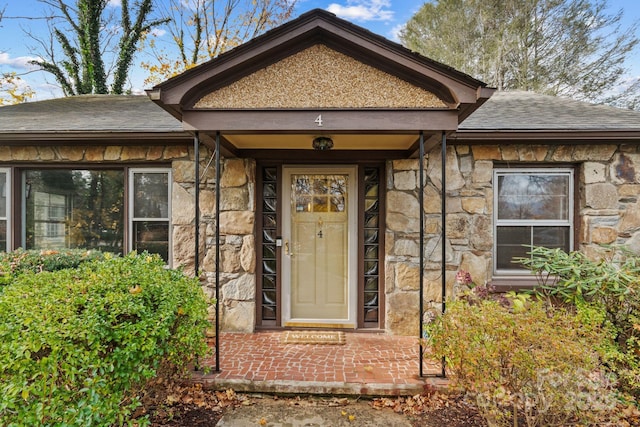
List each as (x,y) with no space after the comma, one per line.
(20,261)
(76,344)
(607,291)
(533,363)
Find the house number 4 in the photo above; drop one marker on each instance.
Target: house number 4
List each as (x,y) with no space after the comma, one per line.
(318,120)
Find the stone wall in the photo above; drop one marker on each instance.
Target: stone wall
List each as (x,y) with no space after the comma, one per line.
(237,235)
(608,184)
(237,244)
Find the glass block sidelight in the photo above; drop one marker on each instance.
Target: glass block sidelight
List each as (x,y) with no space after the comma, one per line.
(371,242)
(268,243)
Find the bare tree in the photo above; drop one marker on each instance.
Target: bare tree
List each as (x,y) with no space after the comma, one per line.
(202,29)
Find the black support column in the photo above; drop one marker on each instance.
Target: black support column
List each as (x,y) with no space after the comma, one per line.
(218,194)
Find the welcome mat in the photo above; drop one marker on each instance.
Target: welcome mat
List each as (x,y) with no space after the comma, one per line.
(313,337)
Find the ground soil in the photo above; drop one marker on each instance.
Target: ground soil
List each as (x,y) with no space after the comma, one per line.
(171,404)
(191,405)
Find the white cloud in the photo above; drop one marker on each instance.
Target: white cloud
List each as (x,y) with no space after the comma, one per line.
(363,10)
(158,32)
(394,34)
(19,62)
(115,3)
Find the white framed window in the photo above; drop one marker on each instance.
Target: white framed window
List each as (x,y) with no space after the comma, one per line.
(532,207)
(150,210)
(5,209)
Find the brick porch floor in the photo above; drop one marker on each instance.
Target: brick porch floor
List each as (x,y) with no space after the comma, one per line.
(367,364)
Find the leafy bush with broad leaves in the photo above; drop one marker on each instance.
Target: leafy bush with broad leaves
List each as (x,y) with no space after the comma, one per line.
(607,292)
(76,345)
(525,361)
(20,261)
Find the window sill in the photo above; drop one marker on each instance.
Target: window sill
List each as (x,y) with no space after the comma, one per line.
(514,283)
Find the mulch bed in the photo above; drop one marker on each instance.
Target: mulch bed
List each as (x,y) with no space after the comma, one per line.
(175,404)
(178,404)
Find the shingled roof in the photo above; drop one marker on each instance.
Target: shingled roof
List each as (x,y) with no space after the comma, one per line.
(503,112)
(88,114)
(519,110)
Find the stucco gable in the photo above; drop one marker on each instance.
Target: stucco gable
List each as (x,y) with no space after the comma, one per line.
(320,77)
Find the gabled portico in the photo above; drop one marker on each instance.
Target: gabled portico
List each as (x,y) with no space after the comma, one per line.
(320,212)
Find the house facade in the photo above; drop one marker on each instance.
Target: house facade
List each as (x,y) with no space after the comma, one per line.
(287,173)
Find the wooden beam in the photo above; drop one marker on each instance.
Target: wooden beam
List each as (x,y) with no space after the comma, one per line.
(317,121)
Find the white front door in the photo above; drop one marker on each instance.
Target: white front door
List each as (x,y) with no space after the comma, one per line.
(319,246)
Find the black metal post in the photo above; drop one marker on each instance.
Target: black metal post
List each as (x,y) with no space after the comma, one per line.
(444,229)
(421,246)
(196,154)
(218,251)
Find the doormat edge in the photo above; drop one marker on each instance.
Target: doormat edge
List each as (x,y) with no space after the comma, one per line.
(314,337)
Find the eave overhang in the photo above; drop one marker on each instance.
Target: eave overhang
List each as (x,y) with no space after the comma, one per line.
(121,138)
(556,136)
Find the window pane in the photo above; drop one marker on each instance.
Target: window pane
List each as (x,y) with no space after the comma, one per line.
(3,235)
(517,242)
(552,237)
(319,193)
(533,196)
(151,195)
(74,209)
(512,242)
(152,237)
(3,195)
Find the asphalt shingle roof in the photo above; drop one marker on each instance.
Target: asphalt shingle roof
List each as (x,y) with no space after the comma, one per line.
(504,111)
(88,113)
(519,110)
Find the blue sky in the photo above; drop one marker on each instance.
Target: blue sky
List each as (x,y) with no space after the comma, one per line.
(384,17)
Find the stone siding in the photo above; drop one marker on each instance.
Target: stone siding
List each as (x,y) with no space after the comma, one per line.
(607,188)
(237,235)
(608,208)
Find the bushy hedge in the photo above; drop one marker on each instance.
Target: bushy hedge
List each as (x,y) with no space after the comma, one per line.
(76,344)
(20,261)
(524,360)
(605,291)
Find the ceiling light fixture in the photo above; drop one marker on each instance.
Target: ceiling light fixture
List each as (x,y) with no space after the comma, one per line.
(322,143)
